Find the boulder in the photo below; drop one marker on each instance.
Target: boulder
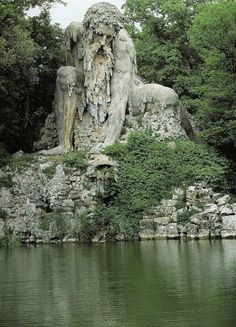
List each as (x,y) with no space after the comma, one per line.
(178,194)
(146,234)
(229,222)
(172,231)
(161,221)
(192,231)
(6,198)
(228,234)
(223,200)
(226,210)
(203,234)
(161,232)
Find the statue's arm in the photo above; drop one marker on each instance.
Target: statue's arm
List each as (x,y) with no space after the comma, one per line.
(120,85)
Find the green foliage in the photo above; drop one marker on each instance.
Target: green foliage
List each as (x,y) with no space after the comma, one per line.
(164,54)
(4,157)
(87,226)
(30,53)
(3,214)
(23,161)
(190,46)
(10,239)
(148,172)
(213,34)
(6,181)
(50,171)
(55,222)
(183,217)
(76,159)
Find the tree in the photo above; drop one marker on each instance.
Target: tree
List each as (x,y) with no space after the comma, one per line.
(213,34)
(159,28)
(30,53)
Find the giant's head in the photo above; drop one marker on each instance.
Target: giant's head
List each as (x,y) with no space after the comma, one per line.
(104,20)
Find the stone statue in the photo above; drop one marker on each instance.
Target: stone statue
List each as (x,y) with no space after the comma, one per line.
(99,90)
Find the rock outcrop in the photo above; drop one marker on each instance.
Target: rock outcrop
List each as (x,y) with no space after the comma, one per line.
(197,214)
(48,197)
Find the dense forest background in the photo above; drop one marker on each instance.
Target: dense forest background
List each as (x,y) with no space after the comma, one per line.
(188,45)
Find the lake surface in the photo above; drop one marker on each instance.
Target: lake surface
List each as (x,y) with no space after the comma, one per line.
(143,284)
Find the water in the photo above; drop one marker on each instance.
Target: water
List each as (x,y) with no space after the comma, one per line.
(146,284)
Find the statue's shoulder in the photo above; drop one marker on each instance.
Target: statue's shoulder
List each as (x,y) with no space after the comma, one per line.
(124,38)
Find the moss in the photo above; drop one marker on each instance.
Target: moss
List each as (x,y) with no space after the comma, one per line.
(6,181)
(22,161)
(76,159)
(183,217)
(3,214)
(50,171)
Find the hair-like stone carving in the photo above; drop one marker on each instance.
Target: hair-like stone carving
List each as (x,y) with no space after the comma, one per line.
(74,34)
(103,13)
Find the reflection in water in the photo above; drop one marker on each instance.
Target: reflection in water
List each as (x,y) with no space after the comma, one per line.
(146,284)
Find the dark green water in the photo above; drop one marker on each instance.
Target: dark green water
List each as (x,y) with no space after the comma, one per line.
(146,284)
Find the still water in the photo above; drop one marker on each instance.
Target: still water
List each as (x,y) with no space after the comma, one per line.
(146,284)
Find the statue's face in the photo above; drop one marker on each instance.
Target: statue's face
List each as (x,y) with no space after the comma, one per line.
(104,34)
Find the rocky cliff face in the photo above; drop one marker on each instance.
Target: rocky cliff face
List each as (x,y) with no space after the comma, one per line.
(48,199)
(197,214)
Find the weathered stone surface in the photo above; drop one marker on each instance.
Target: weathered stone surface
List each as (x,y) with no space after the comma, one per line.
(100,82)
(162,220)
(211,208)
(35,197)
(169,203)
(2,225)
(120,237)
(229,222)
(147,234)
(203,234)
(99,237)
(215,233)
(223,200)
(192,231)
(226,210)
(178,194)
(6,198)
(228,234)
(161,232)
(173,231)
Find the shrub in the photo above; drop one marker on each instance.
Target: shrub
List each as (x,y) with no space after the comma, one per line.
(10,239)
(50,171)
(76,159)
(148,171)
(4,157)
(23,161)
(183,217)
(55,222)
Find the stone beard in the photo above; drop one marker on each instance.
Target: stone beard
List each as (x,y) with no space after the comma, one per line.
(98,62)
